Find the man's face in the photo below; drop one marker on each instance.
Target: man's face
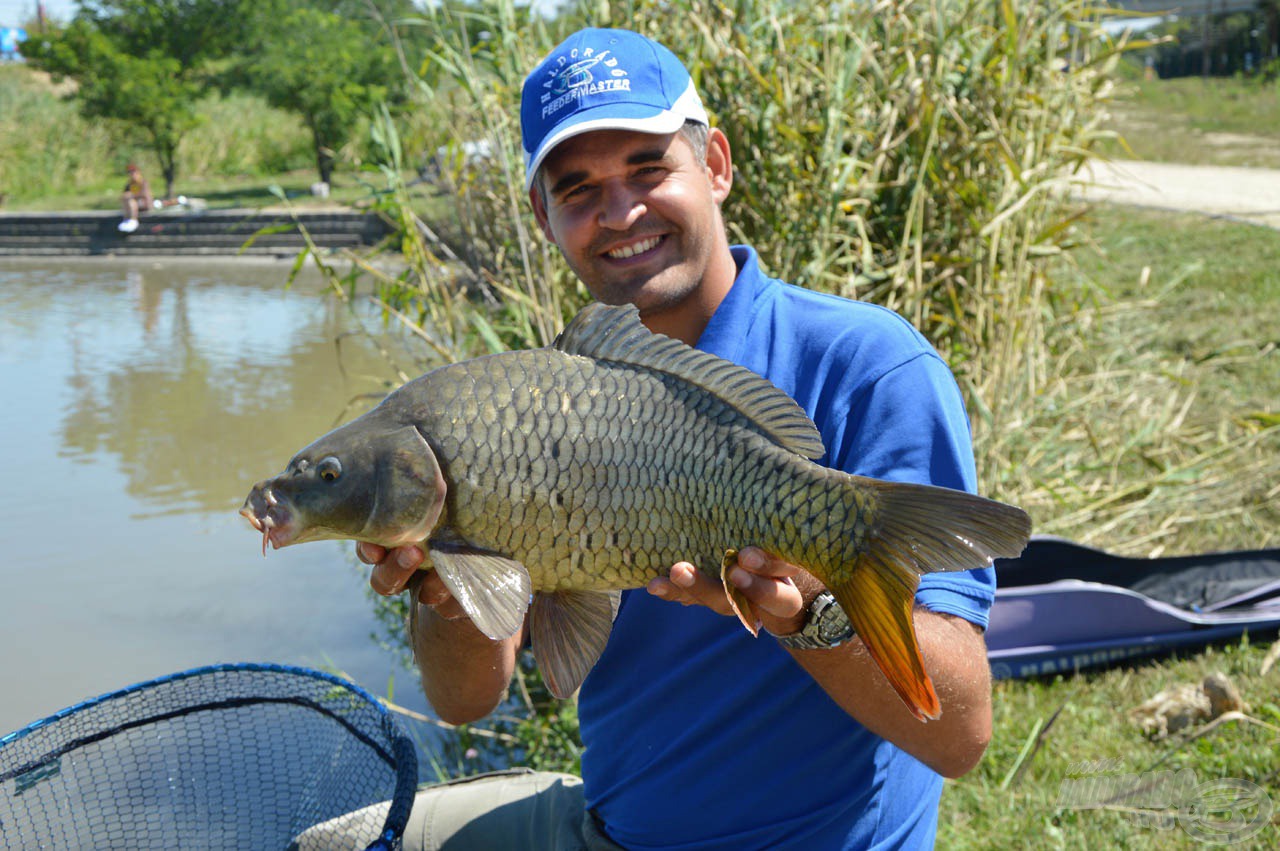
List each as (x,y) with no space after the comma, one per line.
(635,215)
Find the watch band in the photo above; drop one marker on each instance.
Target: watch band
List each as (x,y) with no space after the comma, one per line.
(825,627)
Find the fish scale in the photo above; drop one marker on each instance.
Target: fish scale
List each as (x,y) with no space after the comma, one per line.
(645,488)
(542,482)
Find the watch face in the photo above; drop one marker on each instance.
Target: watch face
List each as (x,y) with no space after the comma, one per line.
(833,625)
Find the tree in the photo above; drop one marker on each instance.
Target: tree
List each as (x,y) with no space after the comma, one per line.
(326,66)
(145,94)
(192,32)
(144,63)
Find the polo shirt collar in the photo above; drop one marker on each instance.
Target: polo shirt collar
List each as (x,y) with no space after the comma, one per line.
(726,333)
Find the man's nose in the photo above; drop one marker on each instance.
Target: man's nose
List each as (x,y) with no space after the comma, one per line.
(620,205)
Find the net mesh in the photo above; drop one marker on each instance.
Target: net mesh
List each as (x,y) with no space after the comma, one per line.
(229,756)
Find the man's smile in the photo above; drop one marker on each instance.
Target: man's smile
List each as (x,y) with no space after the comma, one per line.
(624,252)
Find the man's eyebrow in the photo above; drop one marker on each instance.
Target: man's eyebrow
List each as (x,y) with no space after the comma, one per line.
(648,155)
(571,179)
(568,181)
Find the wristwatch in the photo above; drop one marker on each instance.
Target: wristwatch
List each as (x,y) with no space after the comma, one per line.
(826,626)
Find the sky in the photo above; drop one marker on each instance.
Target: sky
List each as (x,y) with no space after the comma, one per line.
(15,12)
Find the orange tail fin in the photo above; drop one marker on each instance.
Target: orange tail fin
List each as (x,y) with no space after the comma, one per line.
(878,601)
(916,529)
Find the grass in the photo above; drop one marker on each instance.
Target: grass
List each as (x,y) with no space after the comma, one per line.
(1177,317)
(1160,430)
(1093,735)
(347,189)
(1215,121)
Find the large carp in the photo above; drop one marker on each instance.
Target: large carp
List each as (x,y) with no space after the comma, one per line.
(544,481)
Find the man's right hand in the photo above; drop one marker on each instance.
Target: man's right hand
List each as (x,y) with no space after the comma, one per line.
(464,673)
(392,570)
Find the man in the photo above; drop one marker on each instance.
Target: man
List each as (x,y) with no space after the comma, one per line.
(136,196)
(697,735)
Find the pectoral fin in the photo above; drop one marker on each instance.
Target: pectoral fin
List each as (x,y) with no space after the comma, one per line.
(493,590)
(569,630)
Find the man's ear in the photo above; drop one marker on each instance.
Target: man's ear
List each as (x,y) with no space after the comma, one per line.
(719,164)
(540,211)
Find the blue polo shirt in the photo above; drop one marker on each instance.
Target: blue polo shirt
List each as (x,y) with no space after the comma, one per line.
(699,736)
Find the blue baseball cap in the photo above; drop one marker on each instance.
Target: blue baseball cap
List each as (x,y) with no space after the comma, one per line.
(600,79)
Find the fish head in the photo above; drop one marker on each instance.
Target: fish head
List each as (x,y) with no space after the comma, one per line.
(367,481)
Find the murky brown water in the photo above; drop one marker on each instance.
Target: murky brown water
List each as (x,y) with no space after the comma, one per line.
(138,404)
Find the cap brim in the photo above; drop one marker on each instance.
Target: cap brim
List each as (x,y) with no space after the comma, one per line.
(606,117)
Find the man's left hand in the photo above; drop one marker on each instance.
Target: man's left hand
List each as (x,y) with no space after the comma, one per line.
(780,592)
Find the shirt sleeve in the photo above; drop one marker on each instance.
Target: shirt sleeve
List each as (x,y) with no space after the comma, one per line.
(909,425)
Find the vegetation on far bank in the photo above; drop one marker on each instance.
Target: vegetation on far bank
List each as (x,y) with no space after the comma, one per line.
(1227,121)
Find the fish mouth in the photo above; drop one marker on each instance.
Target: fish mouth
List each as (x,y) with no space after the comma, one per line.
(271,516)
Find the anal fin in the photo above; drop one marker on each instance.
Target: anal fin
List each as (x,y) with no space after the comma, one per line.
(737,600)
(569,630)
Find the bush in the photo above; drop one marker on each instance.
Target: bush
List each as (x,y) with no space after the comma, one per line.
(46,147)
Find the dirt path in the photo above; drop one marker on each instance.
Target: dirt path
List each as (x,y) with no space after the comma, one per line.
(1248,194)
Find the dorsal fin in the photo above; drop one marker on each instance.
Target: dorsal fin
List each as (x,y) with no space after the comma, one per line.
(615,333)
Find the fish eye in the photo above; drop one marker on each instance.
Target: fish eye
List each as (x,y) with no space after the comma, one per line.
(329,469)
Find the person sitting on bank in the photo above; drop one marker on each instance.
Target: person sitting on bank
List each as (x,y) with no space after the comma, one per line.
(136,197)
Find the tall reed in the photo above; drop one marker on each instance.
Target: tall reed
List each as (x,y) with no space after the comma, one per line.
(908,152)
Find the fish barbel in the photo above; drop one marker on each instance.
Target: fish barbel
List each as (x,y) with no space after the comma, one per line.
(546,481)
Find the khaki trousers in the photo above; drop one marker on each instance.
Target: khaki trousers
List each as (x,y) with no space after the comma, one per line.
(516,810)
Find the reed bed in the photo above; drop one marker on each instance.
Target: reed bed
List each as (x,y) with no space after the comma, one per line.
(909,153)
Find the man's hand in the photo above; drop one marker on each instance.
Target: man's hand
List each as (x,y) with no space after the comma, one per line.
(464,673)
(780,592)
(392,570)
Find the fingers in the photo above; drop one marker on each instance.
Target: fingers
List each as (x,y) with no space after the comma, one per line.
(392,569)
(433,592)
(758,561)
(769,595)
(687,585)
(768,583)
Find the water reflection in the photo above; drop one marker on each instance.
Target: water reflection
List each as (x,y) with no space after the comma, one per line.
(138,403)
(210,390)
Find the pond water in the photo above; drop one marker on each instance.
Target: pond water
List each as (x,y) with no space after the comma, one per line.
(139,402)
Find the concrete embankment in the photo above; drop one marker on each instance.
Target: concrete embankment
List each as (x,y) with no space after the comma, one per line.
(177,231)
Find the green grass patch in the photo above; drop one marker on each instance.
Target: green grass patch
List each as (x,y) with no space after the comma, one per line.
(1215,121)
(1156,428)
(1094,737)
(348,189)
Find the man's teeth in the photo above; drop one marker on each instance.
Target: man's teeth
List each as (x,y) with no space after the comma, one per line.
(634,249)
